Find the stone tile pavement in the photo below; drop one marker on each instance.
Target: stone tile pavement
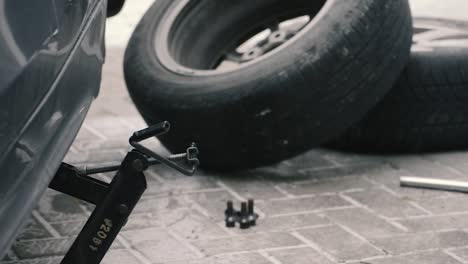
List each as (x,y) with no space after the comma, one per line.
(322,207)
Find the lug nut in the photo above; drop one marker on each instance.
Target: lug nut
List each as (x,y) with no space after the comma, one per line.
(230,215)
(244,216)
(252,216)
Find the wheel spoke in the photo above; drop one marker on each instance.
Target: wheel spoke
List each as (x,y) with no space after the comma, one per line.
(234,56)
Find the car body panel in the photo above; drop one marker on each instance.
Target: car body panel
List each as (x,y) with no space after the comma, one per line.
(47,84)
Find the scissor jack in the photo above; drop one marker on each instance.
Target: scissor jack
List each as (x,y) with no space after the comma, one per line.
(115,201)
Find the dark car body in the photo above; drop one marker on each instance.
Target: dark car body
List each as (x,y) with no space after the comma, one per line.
(51,56)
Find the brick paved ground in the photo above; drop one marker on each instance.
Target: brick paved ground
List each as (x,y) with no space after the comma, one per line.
(322,207)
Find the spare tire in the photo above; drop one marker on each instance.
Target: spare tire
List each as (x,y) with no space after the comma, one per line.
(427,110)
(255,82)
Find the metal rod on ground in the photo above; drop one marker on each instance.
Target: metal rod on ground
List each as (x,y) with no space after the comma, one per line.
(437,184)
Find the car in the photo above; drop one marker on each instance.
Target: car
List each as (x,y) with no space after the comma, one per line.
(51,55)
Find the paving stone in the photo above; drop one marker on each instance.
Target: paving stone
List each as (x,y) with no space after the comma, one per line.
(359,169)
(339,243)
(86,134)
(246,258)
(461,253)
(105,156)
(56,207)
(181,185)
(107,124)
(424,168)
(213,203)
(46,247)
(97,145)
(42,248)
(455,160)
(386,175)
(363,222)
(51,260)
(190,225)
(246,242)
(435,257)
(120,256)
(443,205)
(285,223)
(296,205)
(70,228)
(386,204)
(248,186)
(417,195)
(143,221)
(156,204)
(157,245)
(333,185)
(422,241)
(435,223)
(299,256)
(33,230)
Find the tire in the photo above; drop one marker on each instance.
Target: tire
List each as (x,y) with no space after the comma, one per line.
(281,104)
(427,110)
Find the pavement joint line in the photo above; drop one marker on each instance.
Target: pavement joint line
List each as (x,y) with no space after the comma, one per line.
(198,208)
(94,131)
(412,203)
(271,259)
(230,191)
(129,125)
(155,176)
(314,246)
(360,205)
(453,255)
(443,165)
(354,190)
(296,197)
(338,208)
(272,249)
(431,216)
(415,204)
(447,230)
(186,243)
(284,192)
(363,239)
(38,217)
(310,227)
(286,248)
(229,231)
(391,256)
(166,194)
(139,256)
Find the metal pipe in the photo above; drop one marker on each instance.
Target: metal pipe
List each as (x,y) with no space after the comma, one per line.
(437,184)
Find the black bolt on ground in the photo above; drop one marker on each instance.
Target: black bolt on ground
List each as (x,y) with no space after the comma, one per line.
(252,216)
(244,216)
(230,215)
